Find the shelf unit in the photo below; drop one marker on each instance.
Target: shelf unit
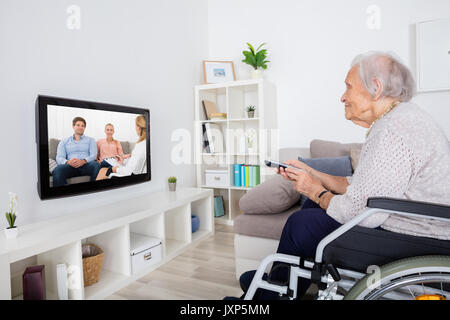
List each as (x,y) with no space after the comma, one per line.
(165,215)
(232,98)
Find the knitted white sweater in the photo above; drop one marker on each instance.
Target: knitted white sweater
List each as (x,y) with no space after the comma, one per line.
(406,156)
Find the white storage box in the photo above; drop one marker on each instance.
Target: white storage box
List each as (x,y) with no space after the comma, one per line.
(217,178)
(145,251)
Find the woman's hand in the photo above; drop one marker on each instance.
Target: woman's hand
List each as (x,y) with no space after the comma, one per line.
(298,164)
(303,181)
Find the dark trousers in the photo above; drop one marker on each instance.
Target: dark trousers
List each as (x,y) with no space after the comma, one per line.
(301,235)
(64,171)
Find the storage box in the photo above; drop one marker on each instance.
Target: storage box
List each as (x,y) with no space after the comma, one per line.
(145,251)
(217,178)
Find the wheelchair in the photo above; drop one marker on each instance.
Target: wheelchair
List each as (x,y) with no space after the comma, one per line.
(357,263)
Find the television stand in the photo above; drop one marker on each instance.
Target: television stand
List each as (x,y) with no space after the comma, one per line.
(165,215)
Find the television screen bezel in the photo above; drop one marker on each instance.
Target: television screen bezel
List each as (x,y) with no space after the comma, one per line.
(44,189)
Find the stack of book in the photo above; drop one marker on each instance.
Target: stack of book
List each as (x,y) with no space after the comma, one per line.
(246,176)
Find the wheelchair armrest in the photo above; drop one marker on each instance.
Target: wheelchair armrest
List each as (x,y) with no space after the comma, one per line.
(408,206)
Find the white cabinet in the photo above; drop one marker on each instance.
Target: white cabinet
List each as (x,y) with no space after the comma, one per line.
(433,55)
(246,140)
(165,216)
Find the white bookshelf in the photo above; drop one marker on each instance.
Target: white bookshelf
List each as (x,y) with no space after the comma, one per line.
(233,98)
(164,215)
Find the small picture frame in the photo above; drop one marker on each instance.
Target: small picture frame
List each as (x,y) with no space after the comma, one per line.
(218,71)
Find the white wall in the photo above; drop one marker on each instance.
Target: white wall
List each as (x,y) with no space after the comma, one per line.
(137,53)
(311,44)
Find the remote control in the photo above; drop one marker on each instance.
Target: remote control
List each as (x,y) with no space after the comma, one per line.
(278,165)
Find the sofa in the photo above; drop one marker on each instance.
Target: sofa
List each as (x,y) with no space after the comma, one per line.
(267,206)
(53,147)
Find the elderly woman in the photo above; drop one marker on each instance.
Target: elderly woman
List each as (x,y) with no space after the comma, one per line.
(406,155)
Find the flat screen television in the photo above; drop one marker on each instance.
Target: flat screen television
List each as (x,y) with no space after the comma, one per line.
(86,146)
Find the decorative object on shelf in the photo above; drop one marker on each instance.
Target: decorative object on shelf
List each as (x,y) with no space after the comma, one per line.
(62,281)
(215,139)
(172,183)
(209,107)
(218,116)
(195,221)
(251,111)
(145,251)
(217,178)
(12,231)
(33,283)
(92,263)
(219,210)
(256,59)
(252,140)
(218,71)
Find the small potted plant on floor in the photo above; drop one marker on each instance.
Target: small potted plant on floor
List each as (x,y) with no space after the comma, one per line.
(256,59)
(172,183)
(12,231)
(251,111)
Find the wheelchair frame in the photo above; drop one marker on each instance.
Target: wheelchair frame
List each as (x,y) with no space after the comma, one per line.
(327,277)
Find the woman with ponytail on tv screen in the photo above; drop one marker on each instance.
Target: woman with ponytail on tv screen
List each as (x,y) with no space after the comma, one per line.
(137,162)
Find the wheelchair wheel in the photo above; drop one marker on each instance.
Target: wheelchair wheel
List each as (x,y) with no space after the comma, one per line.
(418,278)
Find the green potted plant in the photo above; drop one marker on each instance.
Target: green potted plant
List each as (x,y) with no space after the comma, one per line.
(172,183)
(256,59)
(251,111)
(12,231)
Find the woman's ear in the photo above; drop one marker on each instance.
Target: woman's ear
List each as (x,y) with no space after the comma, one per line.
(378,89)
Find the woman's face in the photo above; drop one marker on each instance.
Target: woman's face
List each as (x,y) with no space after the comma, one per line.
(109,131)
(358,101)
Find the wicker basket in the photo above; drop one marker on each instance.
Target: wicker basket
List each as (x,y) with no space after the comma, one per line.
(92,263)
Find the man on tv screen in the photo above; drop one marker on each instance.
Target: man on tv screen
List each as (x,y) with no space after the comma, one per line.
(76,155)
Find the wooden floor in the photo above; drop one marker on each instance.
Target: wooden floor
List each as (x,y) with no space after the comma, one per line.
(203,272)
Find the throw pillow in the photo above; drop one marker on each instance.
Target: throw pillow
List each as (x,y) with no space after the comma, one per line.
(275,195)
(337,166)
(52,165)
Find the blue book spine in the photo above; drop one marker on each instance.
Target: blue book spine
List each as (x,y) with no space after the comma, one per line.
(237,175)
(242,175)
(250,178)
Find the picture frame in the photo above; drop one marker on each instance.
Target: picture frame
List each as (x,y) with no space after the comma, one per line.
(218,71)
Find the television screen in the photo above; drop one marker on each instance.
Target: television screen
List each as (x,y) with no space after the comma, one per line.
(86,146)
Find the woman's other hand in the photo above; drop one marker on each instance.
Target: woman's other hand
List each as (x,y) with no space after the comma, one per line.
(303,181)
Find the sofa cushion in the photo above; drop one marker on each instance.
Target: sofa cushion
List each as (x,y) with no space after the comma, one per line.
(324,148)
(336,166)
(275,195)
(263,225)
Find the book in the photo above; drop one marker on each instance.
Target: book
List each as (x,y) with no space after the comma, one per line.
(215,137)
(209,107)
(247,176)
(257,175)
(237,175)
(243,175)
(250,176)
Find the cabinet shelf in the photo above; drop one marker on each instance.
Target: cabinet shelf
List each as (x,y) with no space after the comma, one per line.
(165,215)
(233,98)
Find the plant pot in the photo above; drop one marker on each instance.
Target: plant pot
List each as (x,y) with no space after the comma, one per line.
(250,114)
(11,232)
(172,186)
(256,74)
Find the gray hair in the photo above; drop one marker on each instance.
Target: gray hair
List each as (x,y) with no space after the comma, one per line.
(395,77)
